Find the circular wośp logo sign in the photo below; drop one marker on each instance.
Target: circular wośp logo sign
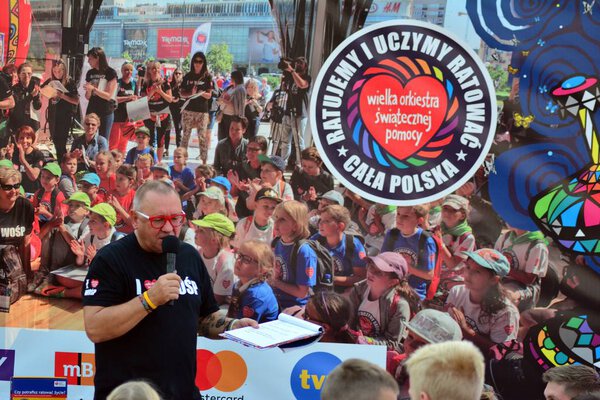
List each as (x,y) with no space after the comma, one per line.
(402,113)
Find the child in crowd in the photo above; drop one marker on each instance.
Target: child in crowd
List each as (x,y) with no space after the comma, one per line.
(271,175)
(182,176)
(480,306)
(457,237)
(121,198)
(346,250)
(202,173)
(258,226)
(292,283)
(310,181)
(68,183)
(105,169)
(252,296)
(142,167)
(329,198)
(118,157)
(223,183)
(56,237)
(89,184)
(48,200)
(210,201)
(213,233)
(332,311)
(160,172)
(142,138)
(419,252)
(101,223)
(383,301)
(527,254)
(376,221)
(426,327)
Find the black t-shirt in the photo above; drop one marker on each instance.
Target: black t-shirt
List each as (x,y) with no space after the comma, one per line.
(301,180)
(162,347)
(123,89)
(5,91)
(156,102)
(60,107)
(297,100)
(17,223)
(202,84)
(98,105)
(36,160)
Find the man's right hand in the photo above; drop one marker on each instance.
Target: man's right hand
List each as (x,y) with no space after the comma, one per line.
(165,289)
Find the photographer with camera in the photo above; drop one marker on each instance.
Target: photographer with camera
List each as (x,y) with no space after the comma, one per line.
(295,84)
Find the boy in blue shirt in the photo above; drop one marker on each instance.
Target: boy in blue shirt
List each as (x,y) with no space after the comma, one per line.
(348,257)
(420,254)
(142,138)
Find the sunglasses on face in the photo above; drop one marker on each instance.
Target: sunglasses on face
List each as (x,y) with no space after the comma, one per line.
(6,188)
(245,259)
(198,62)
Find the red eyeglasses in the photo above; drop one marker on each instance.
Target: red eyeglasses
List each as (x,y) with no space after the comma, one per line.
(158,221)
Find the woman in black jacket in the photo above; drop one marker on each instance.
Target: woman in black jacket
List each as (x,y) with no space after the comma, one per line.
(27,94)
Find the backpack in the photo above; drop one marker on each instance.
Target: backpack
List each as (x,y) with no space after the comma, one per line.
(115,236)
(349,246)
(437,269)
(325,268)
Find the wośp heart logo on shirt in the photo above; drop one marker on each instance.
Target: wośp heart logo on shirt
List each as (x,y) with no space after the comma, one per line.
(403,113)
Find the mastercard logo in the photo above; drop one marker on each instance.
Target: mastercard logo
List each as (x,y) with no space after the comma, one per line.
(225,371)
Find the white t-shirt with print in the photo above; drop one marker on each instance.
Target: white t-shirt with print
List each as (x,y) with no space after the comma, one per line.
(220,270)
(457,246)
(246,229)
(500,327)
(369,316)
(523,256)
(97,242)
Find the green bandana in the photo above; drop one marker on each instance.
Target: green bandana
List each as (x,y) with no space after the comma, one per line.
(528,237)
(458,230)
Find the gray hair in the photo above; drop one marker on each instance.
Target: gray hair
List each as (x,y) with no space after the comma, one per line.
(160,187)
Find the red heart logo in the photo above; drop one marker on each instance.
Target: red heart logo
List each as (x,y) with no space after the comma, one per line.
(509,329)
(148,284)
(247,312)
(310,271)
(94,283)
(402,119)
(226,283)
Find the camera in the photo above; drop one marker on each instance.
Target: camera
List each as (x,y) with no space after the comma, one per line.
(284,63)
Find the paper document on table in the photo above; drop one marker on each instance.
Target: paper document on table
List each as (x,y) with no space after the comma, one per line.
(138,110)
(286,329)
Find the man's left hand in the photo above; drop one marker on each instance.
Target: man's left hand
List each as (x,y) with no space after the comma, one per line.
(244,322)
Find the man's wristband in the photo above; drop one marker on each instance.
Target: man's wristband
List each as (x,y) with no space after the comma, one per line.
(145,304)
(150,303)
(230,325)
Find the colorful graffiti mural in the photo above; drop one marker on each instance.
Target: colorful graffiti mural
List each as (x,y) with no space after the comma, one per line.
(15,24)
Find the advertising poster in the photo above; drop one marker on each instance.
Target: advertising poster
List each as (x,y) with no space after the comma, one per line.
(263,46)
(403,112)
(174,43)
(135,42)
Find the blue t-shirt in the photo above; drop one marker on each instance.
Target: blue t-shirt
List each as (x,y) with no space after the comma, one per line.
(344,265)
(134,153)
(257,302)
(305,272)
(409,247)
(186,176)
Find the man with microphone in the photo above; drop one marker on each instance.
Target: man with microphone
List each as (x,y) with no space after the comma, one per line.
(143,307)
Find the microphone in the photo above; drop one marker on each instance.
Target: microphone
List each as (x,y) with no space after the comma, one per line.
(170,246)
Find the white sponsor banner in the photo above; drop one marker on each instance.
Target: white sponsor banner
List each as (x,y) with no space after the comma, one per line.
(297,373)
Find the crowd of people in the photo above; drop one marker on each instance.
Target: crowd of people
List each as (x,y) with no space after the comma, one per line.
(369,274)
